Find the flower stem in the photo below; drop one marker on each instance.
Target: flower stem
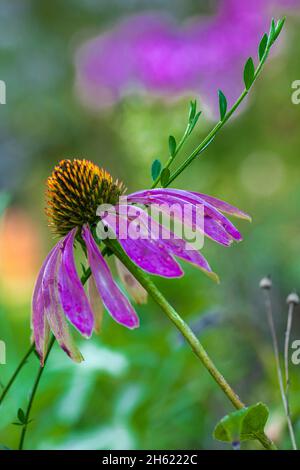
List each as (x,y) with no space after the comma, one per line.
(16,373)
(286,368)
(84,278)
(211,135)
(33,393)
(186,331)
(269,311)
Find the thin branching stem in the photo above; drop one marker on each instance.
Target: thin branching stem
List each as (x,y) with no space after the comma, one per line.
(286,368)
(32,395)
(269,311)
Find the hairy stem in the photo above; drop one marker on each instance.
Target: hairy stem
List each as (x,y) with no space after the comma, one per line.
(16,373)
(270,317)
(187,333)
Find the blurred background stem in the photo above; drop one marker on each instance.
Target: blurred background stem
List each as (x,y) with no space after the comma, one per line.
(269,310)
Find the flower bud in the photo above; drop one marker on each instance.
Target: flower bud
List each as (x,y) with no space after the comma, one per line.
(265,283)
(293,298)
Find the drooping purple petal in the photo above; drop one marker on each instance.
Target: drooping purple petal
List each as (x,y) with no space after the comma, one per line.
(144,252)
(39,323)
(224,206)
(132,286)
(215,231)
(96,303)
(211,228)
(72,294)
(165,240)
(173,196)
(114,300)
(176,208)
(52,305)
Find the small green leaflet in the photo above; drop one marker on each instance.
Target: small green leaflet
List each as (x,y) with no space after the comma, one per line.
(242,425)
(222,104)
(249,71)
(262,46)
(165,176)
(172,146)
(155,169)
(194,121)
(21,416)
(193,109)
(278,28)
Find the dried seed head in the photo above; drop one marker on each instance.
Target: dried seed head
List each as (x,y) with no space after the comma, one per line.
(75,190)
(293,298)
(265,283)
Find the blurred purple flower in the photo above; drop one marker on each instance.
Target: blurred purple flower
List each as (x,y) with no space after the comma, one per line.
(149,52)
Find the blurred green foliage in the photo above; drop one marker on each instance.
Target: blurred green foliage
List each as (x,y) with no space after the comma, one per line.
(144,388)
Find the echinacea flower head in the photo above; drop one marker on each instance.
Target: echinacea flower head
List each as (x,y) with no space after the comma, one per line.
(75,190)
(76,193)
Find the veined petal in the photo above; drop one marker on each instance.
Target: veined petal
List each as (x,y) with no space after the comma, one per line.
(72,294)
(215,231)
(173,196)
(39,324)
(114,300)
(133,287)
(211,228)
(96,303)
(52,305)
(224,206)
(144,252)
(170,242)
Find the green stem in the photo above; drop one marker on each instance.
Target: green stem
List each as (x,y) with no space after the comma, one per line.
(186,331)
(269,310)
(219,125)
(16,373)
(171,158)
(33,393)
(84,278)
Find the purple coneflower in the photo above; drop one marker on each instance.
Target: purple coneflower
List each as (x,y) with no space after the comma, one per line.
(75,190)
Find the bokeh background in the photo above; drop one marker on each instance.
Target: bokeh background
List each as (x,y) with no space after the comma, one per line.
(109,81)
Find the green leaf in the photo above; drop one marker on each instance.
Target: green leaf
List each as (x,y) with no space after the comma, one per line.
(249,71)
(155,169)
(194,121)
(222,104)
(242,425)
(21,416)
(193,109)
(165,176)
(278,28)
(172,145)
(262,46)
(272,33)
